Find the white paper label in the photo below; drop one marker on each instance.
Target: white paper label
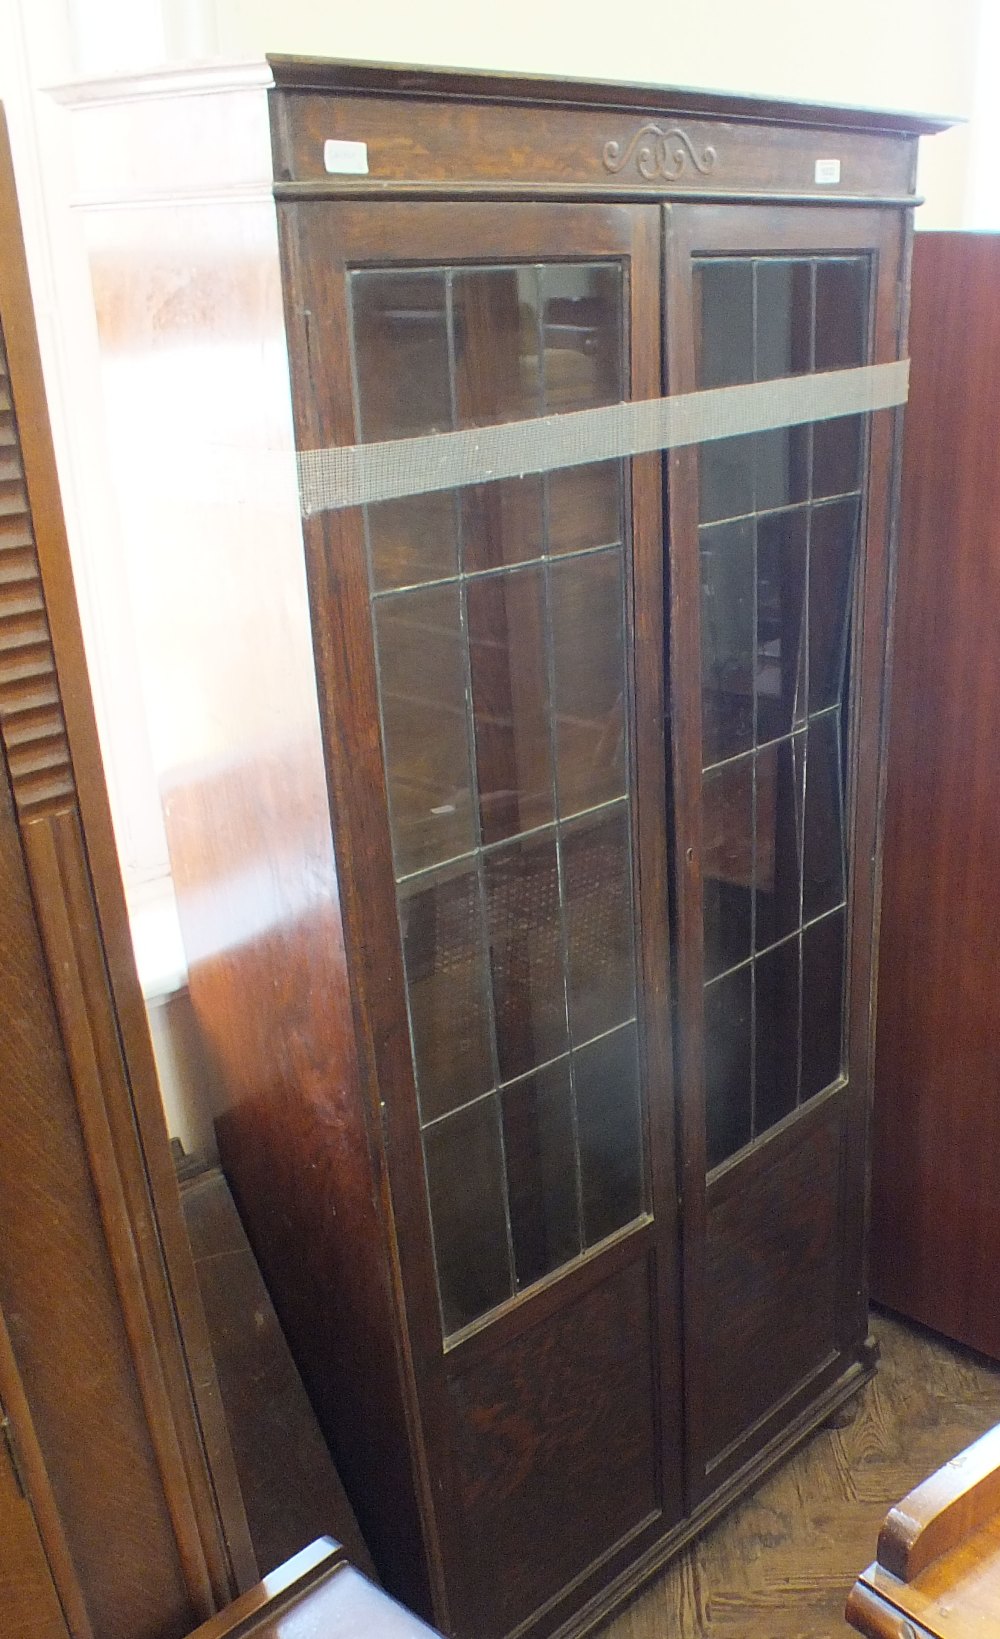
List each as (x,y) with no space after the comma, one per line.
(345,158)
(828,170)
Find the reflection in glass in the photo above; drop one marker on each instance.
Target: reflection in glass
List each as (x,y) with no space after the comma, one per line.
(498,378)
(541,1169)
(401,356)
(422,691)
(822,1003)
(601,975)
(783,315)
(727,864)
(522,893)
(585,507)
(606,1077)
(837,447)
(726,478)
(582,366)
(510,699)
(831,561)
(781,650)
(779,838)
(841,312)
(588,666)
(413,540)
(728,1088)
(727,639)
(823,866)
(465,1184)
(776,1007)
(401,352)
(782,468)
(443,955)
(723,298)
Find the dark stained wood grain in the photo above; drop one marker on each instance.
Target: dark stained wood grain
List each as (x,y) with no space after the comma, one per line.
(553,1436)
(935,1208)
(475,1423)
(290,1489)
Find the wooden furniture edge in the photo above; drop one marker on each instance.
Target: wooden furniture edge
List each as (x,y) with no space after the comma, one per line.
(943,1510)
(72,864)
(297,1576)
(873,1616)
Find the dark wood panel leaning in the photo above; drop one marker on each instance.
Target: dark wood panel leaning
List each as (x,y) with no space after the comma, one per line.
(525,834)
(110,1408)
(290,1489)
(935,1212)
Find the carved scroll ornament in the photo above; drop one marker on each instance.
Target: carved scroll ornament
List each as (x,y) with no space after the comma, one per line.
(660,156)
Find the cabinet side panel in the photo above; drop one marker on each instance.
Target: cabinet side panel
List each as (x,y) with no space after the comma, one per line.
(197,398)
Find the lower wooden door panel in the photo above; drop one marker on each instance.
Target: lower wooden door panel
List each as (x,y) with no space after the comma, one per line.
(554,1442)
(772,1266)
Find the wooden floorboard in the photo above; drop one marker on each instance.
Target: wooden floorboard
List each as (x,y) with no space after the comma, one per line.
(780,1564)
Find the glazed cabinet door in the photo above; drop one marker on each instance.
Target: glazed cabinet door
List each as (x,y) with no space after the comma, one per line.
(491,672)
(778,569)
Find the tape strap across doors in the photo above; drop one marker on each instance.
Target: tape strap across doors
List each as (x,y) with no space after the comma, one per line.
(361,474)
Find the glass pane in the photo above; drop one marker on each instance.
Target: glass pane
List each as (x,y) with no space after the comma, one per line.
(822,1003)
(841,312)
(781,649)
(723,303)
(831,560)
(726,478)
(783,318)
(779,839)
(588,664)
(823,867)
(503,690)
(585,507)
(401,352)
(522,889)
(837,455)
(498,378)
(782,468)
(541,1171)
(413,540)
(465,1183)
(727,1065)
(421,656)
(776,1004)
(510,700)
(584,356)
(606,1078)
(595,861)
(727,639)
(443,954)
(582,335)
(727,864)
(404,388)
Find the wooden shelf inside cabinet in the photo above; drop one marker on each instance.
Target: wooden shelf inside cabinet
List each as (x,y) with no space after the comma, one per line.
(502,1131)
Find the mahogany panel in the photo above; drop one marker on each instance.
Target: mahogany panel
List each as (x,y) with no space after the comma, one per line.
(553,1440)
(935,1204)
